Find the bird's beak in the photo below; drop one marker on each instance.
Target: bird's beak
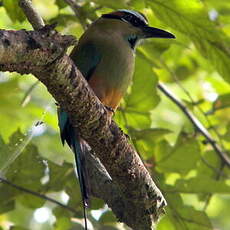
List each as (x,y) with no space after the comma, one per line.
(151,32)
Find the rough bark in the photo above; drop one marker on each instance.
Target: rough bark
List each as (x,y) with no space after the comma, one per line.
(136,199)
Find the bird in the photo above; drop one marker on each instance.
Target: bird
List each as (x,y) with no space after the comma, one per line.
(105,55)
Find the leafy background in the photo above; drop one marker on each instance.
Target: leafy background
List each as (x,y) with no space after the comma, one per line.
(195,67)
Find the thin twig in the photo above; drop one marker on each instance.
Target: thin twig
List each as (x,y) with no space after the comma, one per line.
(28,93)
(7,182)
(33,17)
(77,11)
(74,5)
(197,124)
(177,81)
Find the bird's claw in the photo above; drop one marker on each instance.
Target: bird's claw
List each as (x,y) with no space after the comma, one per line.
(110,109)
(127,136)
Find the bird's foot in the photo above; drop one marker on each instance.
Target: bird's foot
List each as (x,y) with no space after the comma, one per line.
(110,113)
(127,136)
(110,109)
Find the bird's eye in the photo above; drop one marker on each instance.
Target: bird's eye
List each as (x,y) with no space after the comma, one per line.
(135,22)
(129,18)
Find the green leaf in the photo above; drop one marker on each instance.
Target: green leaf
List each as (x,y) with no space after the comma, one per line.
(112,4)
(21,216)
(22,166)
(107,217)
(209,164)
(143,96)
(154,48)
(64,178)
(201,184)
(151,134)
(163,150)
(185,217)
(18,164)
(13,10)
(11,96)
(60,3)
(133,119)
(30,201)
(61,212)
(7,195)
(226,136)
(146,139)
(137,4)
(63,223)
(59,175)
(223,101)
(72,188)
(51,148)
(96,203)
(9,152)
(182,157)
(194,220)
(190,19)
(165,223)
(28,169)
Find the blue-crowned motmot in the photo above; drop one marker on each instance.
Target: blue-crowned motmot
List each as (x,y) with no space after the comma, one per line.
(105,56)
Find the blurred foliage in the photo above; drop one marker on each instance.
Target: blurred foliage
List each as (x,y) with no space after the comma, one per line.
(195,66)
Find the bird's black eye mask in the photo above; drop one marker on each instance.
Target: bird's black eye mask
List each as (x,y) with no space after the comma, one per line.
(134,18)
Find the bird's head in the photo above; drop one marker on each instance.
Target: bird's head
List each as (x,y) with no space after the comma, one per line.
(133,26)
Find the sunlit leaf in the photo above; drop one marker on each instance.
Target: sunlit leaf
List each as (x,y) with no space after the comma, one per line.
(107,217)
(202,184)
(28,165)
(143,95)
(13,10)
(61,3)
(223,101)
(190,18)
(146,139)
(226,136)
(182,157)
(62,223)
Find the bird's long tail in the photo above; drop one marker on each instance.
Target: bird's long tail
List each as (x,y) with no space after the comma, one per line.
(70,135)
(81,171)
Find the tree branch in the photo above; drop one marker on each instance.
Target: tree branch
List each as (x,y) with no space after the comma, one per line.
(196,123)
(101,183)
(44,197)
(42,54)
(33,17)
(174,76)
(77,11)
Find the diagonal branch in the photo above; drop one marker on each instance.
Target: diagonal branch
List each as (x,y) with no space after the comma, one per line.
(33,17)
(77,11)
(42,53)
(196,123)
(44,197)
(102,185)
